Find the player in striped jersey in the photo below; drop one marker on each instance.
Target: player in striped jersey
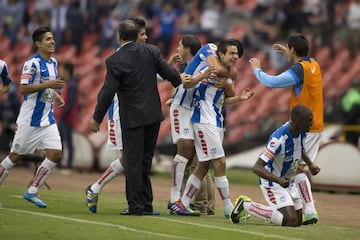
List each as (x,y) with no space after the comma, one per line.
(305,82)
(277,168)
(4,77)
(208,125)
(36,127)
(180,109)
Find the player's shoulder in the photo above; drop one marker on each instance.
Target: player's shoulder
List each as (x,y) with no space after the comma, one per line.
(54,60)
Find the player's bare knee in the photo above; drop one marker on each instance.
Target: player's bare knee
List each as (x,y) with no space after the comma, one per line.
(54,155)
(14,157)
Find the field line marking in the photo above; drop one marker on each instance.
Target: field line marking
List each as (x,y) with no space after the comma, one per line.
(229,229)
(122,227)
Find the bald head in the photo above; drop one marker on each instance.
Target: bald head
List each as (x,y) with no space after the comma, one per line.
(301,118)
(128,30)
(299,111)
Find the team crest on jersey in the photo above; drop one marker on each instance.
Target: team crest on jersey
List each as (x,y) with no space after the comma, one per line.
(213,150)
(213,46)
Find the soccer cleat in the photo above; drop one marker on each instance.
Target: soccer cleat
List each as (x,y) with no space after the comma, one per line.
(239,213)
(242,218)
(310,218)
(178,208)
(33,198)
(91,199)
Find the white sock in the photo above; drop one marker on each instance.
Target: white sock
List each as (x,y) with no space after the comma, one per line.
(5,167)
(110,173)
(192,185)
(264,212)
(177,176)
(302,183)
(222,185)
(42,174)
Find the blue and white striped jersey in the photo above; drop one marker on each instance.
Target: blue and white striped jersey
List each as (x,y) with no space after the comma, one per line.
(182,96)
(208,102)
(4,73)
(282,151)
(37,108)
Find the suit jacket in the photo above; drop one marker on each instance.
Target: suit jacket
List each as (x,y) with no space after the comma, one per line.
(131,73)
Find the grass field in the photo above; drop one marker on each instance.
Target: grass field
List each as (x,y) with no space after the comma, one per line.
(67,218)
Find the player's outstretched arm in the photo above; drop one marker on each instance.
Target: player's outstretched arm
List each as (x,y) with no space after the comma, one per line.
(246,94)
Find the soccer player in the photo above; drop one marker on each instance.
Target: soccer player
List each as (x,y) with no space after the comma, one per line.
(180,110)
(188,47)
(305,82)
(4,77)
(277,167)
(36,126)
(114,142)
(208,127)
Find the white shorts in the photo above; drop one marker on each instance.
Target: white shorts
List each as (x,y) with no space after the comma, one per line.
(278,197)
(27,139)
(114,141)
(181,125)
(208,141)
(312,144)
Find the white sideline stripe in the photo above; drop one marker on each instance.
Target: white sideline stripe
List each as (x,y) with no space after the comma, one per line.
(229,229)
(122,227)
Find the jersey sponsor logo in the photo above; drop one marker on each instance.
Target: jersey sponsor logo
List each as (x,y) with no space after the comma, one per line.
(312,69)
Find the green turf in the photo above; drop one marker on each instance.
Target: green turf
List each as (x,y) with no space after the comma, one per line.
(67,218)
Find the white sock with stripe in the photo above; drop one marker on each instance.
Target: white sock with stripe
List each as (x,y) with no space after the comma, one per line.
(42,174)
(5,167)
(222,185)
(110,173)
(302,183)
(177,175)
(264,212)
(192,185)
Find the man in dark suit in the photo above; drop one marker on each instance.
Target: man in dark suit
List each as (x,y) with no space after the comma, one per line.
(131,73)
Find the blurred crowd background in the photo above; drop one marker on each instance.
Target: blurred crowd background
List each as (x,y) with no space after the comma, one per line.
(85,32)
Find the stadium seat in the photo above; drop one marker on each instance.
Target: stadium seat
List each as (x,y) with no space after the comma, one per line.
(237,31)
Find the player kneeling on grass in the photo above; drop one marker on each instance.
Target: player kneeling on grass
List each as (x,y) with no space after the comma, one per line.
(276,167)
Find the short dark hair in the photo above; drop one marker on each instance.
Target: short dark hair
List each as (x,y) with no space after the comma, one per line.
(128,30)
(299,43)
(140,22)
(299,111)
(223,44)
(38,34)
(192,42)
